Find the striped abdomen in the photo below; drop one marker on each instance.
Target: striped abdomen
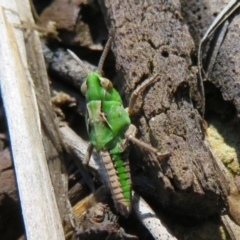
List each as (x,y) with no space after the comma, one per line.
(119,182)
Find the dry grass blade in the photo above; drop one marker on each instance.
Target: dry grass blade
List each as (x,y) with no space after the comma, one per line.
(232,6)
(39,208)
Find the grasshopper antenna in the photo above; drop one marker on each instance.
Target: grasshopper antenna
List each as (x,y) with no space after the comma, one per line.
(78,60)
(104,54)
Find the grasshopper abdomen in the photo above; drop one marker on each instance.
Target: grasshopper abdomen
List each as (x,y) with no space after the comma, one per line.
(119,182)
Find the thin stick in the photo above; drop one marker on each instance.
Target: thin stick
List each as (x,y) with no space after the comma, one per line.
(104,54)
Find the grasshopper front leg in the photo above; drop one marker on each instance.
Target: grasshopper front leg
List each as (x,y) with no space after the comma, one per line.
(138,90)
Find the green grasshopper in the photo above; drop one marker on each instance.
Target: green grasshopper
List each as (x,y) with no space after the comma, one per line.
(109,128)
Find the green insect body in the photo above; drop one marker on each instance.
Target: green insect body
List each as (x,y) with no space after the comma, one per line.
(106,121)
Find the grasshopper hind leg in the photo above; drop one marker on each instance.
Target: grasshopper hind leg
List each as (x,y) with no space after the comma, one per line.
(130,135)
(131,131)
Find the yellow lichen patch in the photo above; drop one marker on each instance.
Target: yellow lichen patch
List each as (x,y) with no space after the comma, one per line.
(224,139)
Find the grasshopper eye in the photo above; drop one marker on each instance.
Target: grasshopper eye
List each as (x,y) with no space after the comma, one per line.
(84,88)
(106,83)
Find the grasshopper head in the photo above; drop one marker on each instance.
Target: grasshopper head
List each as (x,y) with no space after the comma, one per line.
(96,86)
(93,79)
(100,89)
(91,84)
